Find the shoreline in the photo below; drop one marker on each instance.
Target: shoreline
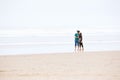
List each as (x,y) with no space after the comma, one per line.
(59,53)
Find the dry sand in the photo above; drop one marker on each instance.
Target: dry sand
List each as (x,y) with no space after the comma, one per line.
(65,66)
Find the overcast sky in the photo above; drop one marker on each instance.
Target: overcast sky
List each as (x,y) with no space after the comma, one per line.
(59,13)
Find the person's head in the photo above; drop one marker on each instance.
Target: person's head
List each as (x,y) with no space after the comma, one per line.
(78,31)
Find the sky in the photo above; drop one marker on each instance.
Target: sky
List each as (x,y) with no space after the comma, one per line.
(59,15)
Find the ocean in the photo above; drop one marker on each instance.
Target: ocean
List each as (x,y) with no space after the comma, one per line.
(56,43)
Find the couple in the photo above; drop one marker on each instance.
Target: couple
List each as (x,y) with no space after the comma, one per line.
(78,40)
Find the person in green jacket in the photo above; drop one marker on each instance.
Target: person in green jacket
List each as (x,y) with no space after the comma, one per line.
(77,40)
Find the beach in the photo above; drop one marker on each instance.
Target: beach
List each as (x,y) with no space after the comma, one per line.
(99,65)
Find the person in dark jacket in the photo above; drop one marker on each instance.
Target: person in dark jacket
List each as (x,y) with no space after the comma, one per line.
(81,41)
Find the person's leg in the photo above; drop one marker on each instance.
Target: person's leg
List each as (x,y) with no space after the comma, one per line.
(82,46)
(79,45)
(76,45)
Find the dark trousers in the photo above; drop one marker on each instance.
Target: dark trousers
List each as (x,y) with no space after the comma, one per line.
(81,44)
